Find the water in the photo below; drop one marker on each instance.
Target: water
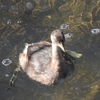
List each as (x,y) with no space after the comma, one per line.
(82,16)
(6,62)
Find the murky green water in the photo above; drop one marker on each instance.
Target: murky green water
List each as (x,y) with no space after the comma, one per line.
(32,21)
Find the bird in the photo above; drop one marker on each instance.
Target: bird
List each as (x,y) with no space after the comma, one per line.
(47,62)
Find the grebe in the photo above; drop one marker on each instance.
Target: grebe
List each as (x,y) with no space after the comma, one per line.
(46,62)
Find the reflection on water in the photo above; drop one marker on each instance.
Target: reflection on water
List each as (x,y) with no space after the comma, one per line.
(32,21)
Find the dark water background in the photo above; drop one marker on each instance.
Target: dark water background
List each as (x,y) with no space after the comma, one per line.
(30,21)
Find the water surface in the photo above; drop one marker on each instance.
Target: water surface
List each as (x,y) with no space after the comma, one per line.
(32,21)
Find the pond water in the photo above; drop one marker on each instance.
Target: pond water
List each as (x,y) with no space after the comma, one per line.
(32,21)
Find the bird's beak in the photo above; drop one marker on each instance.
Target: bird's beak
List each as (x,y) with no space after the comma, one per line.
(61,46)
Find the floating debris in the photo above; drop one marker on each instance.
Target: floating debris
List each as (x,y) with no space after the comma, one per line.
(68,35)
(64,26)
(6,62)
(95,31)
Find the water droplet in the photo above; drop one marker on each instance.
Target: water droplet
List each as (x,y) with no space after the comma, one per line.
(6,62)
(64,26)
(95,31)
(68,35)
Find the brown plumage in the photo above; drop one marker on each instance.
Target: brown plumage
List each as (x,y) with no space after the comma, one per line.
(46,62)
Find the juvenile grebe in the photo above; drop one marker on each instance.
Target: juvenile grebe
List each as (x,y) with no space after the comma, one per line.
(46,62)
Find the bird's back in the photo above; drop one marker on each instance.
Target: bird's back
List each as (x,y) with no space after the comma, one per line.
(39,55)
(39,61)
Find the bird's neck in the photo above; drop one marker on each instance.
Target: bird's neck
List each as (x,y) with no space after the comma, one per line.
(55,55)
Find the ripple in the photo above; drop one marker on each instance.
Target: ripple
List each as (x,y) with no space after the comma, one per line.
(9,22)
(2,7)
(19,22)
(29,6)
(68,35)
(64,26)
(6,62)
(95,31)
(6,75)
(45,7)
(14,8)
